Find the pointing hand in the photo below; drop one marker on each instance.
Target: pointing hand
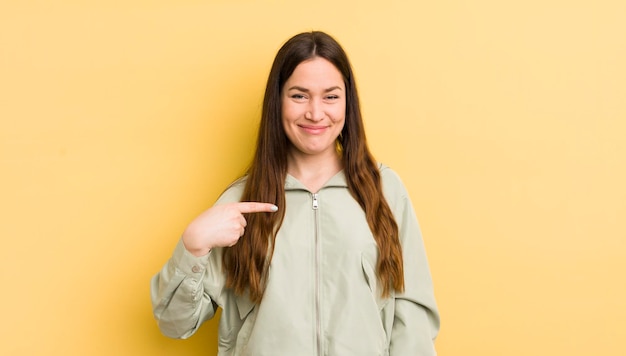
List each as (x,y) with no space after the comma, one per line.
(220,226)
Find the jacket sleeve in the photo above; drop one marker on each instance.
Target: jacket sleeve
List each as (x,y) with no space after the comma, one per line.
(416,317)
(180,301)
(188,289)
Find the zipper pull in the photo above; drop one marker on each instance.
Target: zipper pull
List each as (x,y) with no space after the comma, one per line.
(315,204)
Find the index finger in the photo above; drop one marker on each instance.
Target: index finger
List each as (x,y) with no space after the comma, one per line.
(255,207)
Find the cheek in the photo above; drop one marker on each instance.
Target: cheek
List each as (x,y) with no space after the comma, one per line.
(338,114)
(288,113)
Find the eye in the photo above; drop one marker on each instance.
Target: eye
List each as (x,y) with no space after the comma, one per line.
(332,97)
(298,96)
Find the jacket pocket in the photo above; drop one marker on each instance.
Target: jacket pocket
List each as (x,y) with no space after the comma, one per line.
(247,313)
(232,321)
(244,306)
(373,282)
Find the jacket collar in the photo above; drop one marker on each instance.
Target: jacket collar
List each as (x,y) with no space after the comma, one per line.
(338,180)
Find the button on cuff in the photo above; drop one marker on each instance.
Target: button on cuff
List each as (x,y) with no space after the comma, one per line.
(187,263)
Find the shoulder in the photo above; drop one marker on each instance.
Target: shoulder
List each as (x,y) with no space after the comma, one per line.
(398,198)
(392,184)
(233,192)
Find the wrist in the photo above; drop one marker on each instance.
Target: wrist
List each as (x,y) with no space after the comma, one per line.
(194,248)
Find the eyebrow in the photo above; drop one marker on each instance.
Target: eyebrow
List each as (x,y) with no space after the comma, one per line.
(296,87)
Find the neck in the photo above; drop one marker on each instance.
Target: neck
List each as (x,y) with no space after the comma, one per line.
(313,170)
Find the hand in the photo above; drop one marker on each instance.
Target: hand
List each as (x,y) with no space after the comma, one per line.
(220,226)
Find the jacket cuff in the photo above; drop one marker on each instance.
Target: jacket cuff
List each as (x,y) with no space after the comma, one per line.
(188,264)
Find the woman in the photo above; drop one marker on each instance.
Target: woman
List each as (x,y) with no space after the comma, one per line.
(316,251)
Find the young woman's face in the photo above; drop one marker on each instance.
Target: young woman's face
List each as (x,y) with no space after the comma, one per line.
(314,107)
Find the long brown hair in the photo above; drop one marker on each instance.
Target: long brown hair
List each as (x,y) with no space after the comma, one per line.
(246,263)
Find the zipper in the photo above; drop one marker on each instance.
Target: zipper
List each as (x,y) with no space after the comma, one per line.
(318,317)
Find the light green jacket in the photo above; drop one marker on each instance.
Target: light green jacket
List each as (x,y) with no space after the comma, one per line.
(322,295)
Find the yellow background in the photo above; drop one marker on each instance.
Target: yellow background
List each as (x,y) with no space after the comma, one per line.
(120,121)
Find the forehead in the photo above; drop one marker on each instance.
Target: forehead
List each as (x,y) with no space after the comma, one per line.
(316,72)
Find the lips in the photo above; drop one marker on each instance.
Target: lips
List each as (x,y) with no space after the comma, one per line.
(313,130)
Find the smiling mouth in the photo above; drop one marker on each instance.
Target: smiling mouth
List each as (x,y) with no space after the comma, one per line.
(313,129)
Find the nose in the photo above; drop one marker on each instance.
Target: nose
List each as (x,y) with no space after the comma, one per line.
(315,111)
